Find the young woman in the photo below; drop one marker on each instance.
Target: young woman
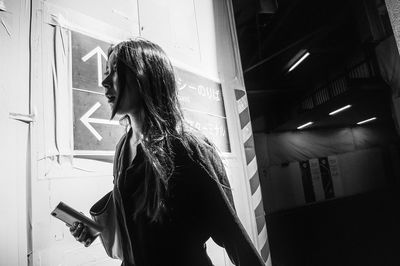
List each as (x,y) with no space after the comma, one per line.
(171,192)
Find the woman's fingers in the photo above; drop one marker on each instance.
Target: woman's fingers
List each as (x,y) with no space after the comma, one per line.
(76,229)
(81,233)
(88,242)
(72,228)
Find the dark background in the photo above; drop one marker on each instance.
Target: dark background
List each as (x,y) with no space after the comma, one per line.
(341,36)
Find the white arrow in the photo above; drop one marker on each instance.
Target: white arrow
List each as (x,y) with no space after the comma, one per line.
(100,53)
(86,120)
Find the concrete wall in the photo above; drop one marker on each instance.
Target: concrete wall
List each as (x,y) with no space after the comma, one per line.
(359,162)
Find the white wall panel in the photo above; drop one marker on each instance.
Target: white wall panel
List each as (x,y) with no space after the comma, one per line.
(119,13)
(14,135)
(187,32)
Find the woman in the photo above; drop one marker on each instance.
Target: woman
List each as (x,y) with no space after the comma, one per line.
(171,183)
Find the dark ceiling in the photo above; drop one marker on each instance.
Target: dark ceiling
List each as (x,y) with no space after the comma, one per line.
(340,36)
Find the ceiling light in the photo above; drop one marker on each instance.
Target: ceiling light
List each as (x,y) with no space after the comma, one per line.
(305,125)
(340,109)
(299,61)
(366,121)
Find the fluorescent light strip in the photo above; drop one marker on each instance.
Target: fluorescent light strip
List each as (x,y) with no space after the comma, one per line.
(299,61)
(366,121)
(305,125)
(340,109)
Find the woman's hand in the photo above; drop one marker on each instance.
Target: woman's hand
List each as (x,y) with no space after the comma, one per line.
(81,233)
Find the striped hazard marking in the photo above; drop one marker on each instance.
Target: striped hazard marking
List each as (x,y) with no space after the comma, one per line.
(252,173)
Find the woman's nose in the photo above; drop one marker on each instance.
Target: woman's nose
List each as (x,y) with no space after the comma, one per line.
(105,84)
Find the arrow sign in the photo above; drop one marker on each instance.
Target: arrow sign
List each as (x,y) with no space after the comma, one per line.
(93,132)
(100,53)
(86,120)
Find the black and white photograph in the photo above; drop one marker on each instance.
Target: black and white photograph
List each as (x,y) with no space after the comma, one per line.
(199,132)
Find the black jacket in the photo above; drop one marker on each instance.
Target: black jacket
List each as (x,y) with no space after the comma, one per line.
(198,206)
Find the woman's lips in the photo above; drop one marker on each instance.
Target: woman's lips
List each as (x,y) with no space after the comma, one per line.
(111,99)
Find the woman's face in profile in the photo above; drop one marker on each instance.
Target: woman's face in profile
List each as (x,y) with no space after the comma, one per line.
(129,94)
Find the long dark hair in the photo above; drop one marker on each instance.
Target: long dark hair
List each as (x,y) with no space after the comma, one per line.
(161,116)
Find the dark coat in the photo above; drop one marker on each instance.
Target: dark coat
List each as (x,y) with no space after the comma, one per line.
(198,206)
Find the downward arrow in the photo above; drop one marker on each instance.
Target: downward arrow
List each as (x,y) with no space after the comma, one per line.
(100,53)
(86,120)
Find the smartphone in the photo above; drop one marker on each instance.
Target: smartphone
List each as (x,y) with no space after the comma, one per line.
(69,216)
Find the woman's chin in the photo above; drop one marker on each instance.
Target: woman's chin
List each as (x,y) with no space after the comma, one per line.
(112,105)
